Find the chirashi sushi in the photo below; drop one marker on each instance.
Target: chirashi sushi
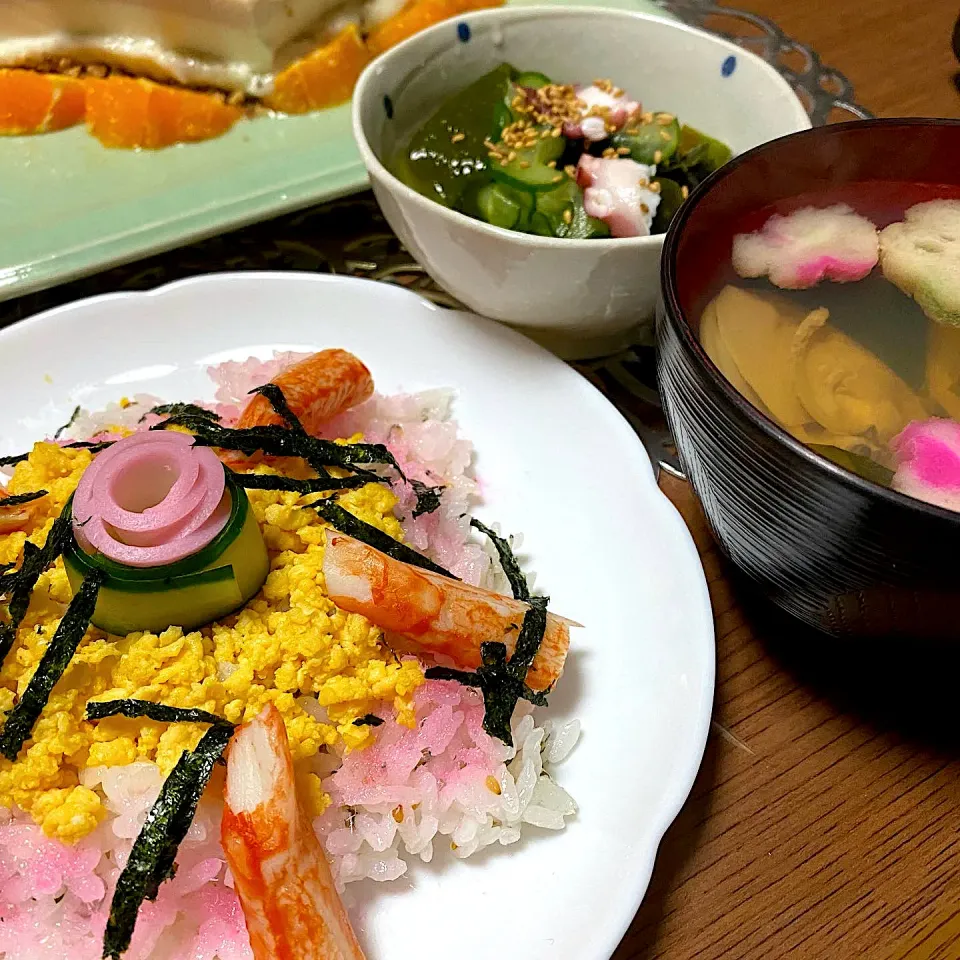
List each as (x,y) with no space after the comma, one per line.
(255,650)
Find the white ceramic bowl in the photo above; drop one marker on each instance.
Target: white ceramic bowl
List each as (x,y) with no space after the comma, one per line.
(580,297)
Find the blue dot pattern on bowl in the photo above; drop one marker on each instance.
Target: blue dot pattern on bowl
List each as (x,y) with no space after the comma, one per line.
(388,107)
(463,32)
(729,65)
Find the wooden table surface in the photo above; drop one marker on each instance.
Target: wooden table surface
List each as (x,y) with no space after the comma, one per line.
(825,821)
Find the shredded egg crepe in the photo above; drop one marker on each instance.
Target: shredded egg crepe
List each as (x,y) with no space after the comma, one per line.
(290,646)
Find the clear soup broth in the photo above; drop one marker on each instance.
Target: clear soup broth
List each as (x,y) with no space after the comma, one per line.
(837,314)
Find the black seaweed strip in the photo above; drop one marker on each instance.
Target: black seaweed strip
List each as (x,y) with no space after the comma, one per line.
(354,527)
(20,720)
(273,393)
(19,499)
(322,484)
(21,583)
(428,498)
(154,851)
(368,720)
(280,441)
(172,409)
(68,424)
(531,636)
(518,582)
(131,707)
(93,447)
(11,461)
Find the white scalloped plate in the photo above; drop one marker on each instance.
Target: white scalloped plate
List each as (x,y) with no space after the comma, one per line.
(557,462)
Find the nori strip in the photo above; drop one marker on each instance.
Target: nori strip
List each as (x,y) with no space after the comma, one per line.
(55,660)
(151,860)
(20,584)
(277,441)
(92,446)
(175,409)
(321,484)
(518,582)
(428,498)
(68,424)
(19,499)
(354,527)
(368,720)
(131,707)
(15,459)
(502,682)
(281,408)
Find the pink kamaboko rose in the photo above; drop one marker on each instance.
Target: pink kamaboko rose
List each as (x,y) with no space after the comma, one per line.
(928,462)
(151,499)
(800,249)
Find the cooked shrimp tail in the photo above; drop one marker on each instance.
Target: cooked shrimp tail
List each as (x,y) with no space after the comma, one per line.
(316,389)
(291,906)
(427,613)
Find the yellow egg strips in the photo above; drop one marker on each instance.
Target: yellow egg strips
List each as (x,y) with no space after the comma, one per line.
(290,645)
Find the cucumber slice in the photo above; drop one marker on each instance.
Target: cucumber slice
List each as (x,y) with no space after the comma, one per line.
(187,594)
(671,199)
(562,212)
(529,168)
(502,206)
(654,142)
(533,79)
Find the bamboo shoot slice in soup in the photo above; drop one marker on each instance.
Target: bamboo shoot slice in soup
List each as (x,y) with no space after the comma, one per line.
(758,332)
(846,387)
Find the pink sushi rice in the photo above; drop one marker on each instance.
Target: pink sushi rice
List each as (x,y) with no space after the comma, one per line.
(445,788)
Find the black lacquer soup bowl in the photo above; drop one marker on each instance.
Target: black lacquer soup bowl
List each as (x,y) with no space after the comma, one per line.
(847,556)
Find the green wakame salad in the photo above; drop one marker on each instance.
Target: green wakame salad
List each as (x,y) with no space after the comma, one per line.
(518,151)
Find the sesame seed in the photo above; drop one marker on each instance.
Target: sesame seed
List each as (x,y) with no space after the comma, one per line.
(655,187)
(609,153)
(657,156)
(664,135)
(684,192)
(623,151)
(568,216)
(453,846)
(524,165)
(398,813)
(664,119)
(555,133)
(493,785)
(558,178)
(570,170)
(644,208)
(644,182)
(503,163)
(457,137)
(552,164)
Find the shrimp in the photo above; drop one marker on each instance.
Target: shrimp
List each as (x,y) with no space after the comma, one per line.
(316,389)
(290,904)
(13,519)
(433,614)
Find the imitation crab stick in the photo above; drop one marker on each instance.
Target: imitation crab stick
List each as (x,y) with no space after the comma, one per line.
(434,614)
(290,904)
(316,390)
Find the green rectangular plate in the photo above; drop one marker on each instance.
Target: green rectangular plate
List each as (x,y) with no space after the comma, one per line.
(72,207)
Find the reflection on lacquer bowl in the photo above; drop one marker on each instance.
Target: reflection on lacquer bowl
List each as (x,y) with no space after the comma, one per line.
(577,296)
(856,380)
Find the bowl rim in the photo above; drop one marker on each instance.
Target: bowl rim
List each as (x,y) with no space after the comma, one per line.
(533,12)
(675,315)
